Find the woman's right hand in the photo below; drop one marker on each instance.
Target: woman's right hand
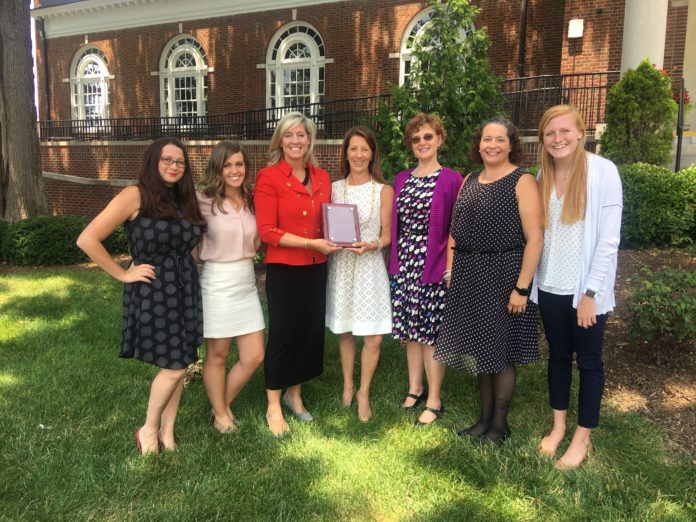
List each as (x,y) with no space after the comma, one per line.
(323,246)
(139,274)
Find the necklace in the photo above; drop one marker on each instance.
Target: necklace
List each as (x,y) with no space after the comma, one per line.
(372,197)
(236,203)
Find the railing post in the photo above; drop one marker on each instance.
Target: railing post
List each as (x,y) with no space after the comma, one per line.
(680,125)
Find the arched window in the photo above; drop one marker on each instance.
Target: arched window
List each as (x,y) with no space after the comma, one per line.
(89,84)
(414,32)
(295,68)
(183,79)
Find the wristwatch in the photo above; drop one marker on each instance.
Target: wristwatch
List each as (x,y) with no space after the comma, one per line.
(590,293)
(524,292)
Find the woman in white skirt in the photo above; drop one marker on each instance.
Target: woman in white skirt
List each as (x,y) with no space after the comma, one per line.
(231,307)
(358,300)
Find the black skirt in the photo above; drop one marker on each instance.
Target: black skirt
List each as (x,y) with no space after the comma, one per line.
(296,311)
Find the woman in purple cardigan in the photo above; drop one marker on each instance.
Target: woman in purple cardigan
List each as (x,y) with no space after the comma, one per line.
(423,200)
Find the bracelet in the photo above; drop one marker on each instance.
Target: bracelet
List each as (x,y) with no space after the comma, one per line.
(305,243)
(380,245)
(447,275)
(524,292)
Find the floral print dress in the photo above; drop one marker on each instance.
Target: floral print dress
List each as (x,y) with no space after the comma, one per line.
(417,307)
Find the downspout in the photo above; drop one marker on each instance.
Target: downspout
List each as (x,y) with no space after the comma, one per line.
(44,50)
(520,61)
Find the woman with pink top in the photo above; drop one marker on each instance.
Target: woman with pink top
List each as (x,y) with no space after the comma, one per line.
(231,307)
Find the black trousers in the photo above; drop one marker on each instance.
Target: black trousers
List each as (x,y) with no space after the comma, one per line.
(566,338)
(296,313)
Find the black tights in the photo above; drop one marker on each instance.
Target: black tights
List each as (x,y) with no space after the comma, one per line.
(495,391)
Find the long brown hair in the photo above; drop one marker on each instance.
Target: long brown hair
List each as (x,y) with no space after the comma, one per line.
(213,184)
(157,199)
(373,167)
(575,196)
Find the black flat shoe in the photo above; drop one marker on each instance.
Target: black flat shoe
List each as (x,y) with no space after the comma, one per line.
(495,437)
(419,399)
(436,412)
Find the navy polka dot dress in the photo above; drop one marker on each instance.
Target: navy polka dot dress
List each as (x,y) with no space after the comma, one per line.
(416,306)
(163,320)
(477,333)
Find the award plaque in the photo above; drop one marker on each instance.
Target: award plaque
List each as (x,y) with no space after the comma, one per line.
(341,224)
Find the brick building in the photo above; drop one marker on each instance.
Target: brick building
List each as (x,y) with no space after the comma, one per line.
(119,59)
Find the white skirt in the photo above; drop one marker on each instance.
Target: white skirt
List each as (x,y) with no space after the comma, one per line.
(231,305)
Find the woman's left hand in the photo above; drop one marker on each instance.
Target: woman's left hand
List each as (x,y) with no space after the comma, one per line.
(517,303)
(361,247)
(587,312)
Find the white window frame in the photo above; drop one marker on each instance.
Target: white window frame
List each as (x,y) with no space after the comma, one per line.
(181,44)
(414,32)
(79,80)
(286,36)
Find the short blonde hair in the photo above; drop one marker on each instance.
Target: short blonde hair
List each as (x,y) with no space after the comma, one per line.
(287,122)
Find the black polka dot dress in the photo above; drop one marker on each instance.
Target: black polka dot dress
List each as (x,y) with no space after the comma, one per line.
(416,306)
(163,320)
(477,333)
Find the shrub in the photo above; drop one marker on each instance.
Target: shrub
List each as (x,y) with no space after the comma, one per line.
(659,206)
(4,227)
(664,306)
(117,242)
(44,240)
(640,117)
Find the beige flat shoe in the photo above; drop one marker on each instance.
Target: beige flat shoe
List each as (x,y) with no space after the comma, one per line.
(561,465)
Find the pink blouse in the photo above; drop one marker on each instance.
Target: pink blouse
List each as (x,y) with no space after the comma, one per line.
(230,237)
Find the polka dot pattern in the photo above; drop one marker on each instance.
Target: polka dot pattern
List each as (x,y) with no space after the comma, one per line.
(417,307)
(477,333)
(163,320)
(559,267)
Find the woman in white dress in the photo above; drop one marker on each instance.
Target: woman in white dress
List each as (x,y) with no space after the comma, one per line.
(231,307)
(358,300)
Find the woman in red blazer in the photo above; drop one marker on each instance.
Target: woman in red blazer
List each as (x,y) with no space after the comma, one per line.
(288,197)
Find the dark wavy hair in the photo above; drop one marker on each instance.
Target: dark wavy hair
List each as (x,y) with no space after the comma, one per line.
(157,199)
(213,185)
(373,168)
(516,154)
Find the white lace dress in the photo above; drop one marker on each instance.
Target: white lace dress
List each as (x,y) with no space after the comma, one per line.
(357,293)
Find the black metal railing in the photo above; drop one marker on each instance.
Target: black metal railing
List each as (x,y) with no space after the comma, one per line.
(527,98)
(333,119)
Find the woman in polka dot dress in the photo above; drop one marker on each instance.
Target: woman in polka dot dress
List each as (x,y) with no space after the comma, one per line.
(423,202)
(162,313)
(582,204)
(496,241)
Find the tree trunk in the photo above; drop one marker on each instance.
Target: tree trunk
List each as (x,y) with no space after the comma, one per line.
(21,185)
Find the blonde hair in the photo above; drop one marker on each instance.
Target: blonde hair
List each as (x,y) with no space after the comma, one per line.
(287,122)
(213,184)
(575,196)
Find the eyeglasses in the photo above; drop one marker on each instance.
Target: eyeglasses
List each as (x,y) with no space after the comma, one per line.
(180,164)
(415,140)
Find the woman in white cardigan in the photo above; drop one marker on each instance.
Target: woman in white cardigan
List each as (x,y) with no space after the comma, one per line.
(574,285)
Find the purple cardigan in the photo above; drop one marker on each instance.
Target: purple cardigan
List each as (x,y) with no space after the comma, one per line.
(444,196)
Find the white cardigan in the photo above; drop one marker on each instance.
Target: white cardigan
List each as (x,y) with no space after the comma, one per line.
(601,235)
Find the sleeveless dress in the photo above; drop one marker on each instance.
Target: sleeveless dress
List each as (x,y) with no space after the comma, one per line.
(477,333)
(163,319)
(357,292)
(417,306)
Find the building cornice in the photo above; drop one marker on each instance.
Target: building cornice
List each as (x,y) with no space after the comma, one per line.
(93,16)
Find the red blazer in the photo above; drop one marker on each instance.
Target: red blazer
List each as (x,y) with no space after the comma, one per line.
(283,205)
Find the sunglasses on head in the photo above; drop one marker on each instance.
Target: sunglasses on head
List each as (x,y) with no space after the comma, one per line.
(415,140)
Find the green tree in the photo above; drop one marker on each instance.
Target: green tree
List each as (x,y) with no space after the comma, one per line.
(450,76)
(641,115)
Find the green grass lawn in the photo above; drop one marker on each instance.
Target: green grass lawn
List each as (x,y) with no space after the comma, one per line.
(69,408)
